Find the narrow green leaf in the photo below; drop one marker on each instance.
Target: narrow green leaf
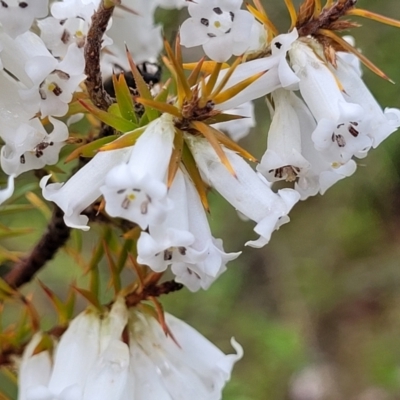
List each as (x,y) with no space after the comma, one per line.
(120,124)
(124,98)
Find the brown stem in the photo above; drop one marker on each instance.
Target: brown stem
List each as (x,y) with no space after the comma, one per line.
(55,237)
(326,18)
(152,291)
(94,39)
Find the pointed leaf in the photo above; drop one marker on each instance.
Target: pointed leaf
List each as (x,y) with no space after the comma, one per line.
(90,149)
(126,140)
(118,123)
(236,89)
(89,296)
(230,144)
(191,168)
(207,67)
(163,107)
(207,132)
(175,157)
(124,98)
(142,87)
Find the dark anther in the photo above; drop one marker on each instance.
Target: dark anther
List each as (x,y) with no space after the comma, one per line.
(182,250)
(205,21)
(65,36)
(57,90)
(353,131)
(217,10)
(278,45)
(167,255)
(22,159)
(4,4)
(23,4)
(211,35)
(339,126)
(232,15)
(120,191)
(228,30)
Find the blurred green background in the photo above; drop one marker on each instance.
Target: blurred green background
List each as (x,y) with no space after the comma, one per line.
(318,309)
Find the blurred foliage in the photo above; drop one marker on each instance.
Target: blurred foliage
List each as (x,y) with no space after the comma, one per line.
(325,293)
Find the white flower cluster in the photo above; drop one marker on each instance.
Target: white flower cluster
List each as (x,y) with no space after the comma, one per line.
(126,356)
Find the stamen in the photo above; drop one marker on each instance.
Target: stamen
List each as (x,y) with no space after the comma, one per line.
(232,15)
(217,10)
(4,4)
(182,250)
(23,4)
(167,255)
(353,131)
(65,36)
(205,21)
(22,159)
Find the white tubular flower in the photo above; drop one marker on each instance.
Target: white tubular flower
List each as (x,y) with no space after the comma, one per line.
(239,128)
(137,191)
(69,24)
(17,16)
(279,74)
(214,260)
(381,123)
(245,191)
(35,369)
(88,363)
(83,188)
(65,9)
(8,191)
(31,147)
(54,82)
(221,27)
(60,34)
(340,132)
(170,242)
(138,32)
(184,240)
(322,174)
(16,53)
(283,158)
(162,370)
(91,362)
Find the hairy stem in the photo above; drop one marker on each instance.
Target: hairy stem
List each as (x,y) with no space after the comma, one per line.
(94,39)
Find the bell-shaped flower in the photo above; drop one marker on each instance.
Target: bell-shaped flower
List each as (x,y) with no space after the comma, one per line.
(8,191)
(88,363)
(184,240)
(249,194)
(69,24)
(381,123)
(92,361)
(136,190)
(190,368)
(83,188)
(322,174)
(340,131)
(222,28)
(65,9)
(279,74)
(16,53)
(239,128)
(283,158)
(17,16)
(54,82)
(31,147)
